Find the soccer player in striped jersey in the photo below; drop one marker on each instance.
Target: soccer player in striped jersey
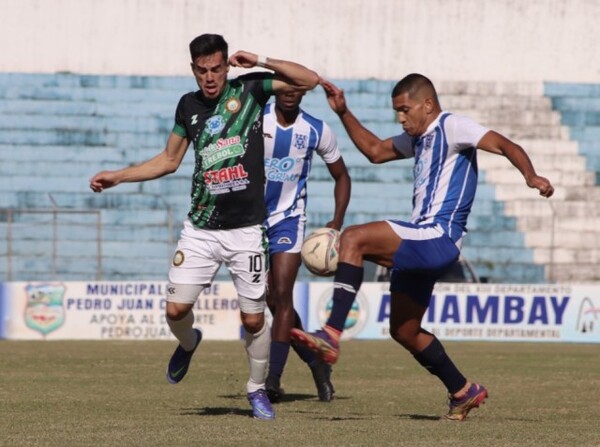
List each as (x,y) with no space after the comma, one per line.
(444,147)
(222,121)
(292,137)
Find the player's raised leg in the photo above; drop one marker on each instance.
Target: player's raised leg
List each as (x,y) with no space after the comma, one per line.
(374,241)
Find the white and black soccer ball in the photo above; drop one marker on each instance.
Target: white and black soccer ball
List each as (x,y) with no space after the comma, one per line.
(320,251)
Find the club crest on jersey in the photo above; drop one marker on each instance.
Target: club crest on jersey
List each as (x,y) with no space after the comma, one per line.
(233,105)
(215,124)
(428,141)
(300,141)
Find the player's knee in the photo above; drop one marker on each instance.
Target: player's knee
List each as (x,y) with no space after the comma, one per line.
(253,323)
(403,335)
(175,312)
(351,238)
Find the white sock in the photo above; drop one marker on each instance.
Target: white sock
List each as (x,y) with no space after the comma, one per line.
(257,347)
(183,331)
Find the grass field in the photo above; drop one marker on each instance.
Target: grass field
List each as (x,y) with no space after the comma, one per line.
(84,393)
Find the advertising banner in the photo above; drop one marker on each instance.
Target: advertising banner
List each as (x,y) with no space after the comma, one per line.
(116,310)
(499,312)
(136,311)
(111,311)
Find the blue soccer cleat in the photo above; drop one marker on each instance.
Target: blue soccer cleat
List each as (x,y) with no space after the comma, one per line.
(261,406)
(180,361)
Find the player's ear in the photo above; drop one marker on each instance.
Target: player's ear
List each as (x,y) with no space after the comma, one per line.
(428,104)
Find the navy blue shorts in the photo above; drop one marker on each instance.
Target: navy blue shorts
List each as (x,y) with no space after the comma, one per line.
(425,253)
(286,236)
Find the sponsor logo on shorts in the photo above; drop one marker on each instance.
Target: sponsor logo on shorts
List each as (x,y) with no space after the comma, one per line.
(284,240)
(178,258)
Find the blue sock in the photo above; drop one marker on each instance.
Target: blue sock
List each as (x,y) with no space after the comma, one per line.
(346,283)
(278,357)
(435,360)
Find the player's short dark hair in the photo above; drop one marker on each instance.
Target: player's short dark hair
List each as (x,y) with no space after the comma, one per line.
(208,44)
(412,84)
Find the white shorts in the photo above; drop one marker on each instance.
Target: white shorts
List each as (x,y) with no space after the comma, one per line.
(201,252)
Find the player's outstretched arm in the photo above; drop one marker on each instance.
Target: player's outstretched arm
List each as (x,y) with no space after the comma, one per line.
(341,192)
(288,74)
(164,163)
(498,144)
(372,147)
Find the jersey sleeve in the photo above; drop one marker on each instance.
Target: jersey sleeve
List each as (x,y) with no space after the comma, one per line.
(261,85)
(328,148)
(179,126)
(403,144)
(464,131)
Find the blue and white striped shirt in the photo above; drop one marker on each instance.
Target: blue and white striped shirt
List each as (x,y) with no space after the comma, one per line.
(288,159)
(445,172)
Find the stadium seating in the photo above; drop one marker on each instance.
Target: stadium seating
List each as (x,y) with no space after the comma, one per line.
(57,130)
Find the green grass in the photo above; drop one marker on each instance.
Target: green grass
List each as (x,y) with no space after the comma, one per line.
(100,393)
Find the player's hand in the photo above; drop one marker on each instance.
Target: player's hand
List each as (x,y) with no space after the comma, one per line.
(102,181)
(335,96)
(542,184)
(243,59)
(334,224)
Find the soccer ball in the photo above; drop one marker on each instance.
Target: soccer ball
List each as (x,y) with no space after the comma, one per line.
(320,251)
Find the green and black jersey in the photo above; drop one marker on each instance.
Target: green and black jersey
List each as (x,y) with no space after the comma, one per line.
(228,182)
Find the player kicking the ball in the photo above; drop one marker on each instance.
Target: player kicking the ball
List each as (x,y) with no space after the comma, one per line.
(419,251)
(223,121)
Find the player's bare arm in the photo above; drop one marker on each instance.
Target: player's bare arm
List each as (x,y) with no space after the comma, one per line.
(289,75)
(374,148)
(341,192)
(162,164)
(498,144)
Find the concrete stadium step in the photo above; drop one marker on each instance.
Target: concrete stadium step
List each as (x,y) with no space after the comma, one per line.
(107,124)
(576,90)
(83,200)
(75,80)
(541,161)
(68,137)
(564,178)
(490,88)
(123,110)
(92,94)
(574,272)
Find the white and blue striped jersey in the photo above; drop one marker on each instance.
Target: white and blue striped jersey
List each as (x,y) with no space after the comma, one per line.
(288,159)
(445,172)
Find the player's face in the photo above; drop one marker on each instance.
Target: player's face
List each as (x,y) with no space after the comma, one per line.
(288,101)
(211,74)
(412,114)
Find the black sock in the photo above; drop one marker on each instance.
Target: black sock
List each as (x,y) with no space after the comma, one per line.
(278,355)
(346,283)
(435,360)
